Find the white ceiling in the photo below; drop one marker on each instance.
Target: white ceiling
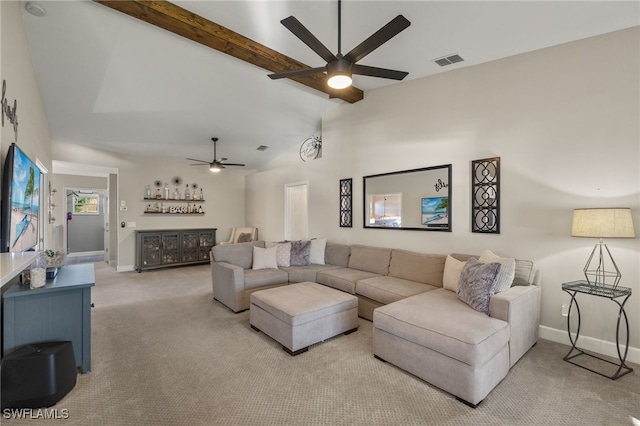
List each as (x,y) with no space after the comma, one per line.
(119,84)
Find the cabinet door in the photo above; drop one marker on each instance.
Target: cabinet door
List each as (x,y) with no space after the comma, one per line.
(207,241)
(150,250)
(170,248)
(190,244)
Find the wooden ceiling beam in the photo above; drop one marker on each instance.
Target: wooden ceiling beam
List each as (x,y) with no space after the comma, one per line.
(177,20)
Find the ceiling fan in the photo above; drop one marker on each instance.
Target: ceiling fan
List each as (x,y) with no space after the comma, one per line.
(215,165)
(340,67)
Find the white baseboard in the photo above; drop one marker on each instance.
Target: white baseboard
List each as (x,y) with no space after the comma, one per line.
(589,344)
(125,268)
(86,253)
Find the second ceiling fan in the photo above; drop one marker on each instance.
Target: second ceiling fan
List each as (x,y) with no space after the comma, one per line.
(215,165)
(340,68)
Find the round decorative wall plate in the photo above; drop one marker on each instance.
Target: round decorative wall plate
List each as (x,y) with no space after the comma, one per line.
(310,148)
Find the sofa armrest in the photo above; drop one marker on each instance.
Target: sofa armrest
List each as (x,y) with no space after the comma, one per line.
(520,307)
(227,281)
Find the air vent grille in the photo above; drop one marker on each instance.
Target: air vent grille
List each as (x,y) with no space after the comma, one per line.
(262,148)
(448,60)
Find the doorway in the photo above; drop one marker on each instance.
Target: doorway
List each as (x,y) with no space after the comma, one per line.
(296,225)
(86,219)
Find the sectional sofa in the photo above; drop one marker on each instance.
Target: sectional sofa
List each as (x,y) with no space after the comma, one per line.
(415,301)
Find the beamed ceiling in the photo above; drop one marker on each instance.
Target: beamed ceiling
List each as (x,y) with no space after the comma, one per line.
(141,77)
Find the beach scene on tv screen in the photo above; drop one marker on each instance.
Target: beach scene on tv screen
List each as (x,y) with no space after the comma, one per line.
(25,202)
(434,211)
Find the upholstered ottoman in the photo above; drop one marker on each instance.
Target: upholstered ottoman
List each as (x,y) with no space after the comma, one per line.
(301,314)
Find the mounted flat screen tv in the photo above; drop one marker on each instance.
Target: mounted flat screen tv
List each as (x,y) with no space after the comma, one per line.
(20,202)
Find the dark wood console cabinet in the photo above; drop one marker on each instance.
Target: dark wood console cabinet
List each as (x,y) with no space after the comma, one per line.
(165,248)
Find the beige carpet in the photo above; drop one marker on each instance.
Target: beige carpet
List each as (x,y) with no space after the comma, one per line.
(165,354)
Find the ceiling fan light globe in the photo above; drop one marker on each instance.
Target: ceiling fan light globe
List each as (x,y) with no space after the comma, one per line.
(339,73)
(339,81)
(215,168)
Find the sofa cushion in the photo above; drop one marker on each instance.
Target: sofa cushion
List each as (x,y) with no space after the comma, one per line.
(265,258)
(507,271)
(256,278)
(439,321)
(370,259)
(299,274)
(525,272)
(283,254)
(237,254)
(525,269)
(451,277)
(244,237)
(316,254)
(478,283)
(389,289)
(300,251)
(337,254)
(418,267)
(343,278)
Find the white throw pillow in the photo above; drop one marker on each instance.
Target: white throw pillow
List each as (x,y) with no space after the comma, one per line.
(265,258)
(283,254)
(507,271)
(317,251)
(452,269)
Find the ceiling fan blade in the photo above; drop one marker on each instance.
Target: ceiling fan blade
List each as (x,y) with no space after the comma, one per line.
(378,72)
(203,164)
(195,159)
(307,38)
(384,34)
(232,164)
(295,73)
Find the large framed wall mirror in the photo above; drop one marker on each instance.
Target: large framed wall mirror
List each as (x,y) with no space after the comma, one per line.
(418,200)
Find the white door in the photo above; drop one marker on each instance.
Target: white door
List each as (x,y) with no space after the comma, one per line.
(296,211)
(106,227)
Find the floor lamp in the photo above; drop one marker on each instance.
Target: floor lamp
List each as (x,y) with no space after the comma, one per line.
(602,223)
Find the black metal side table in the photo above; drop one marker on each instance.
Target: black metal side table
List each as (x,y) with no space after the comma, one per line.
(608,292)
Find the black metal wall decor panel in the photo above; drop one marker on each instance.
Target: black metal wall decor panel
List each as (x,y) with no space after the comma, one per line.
(346,206)
(485,196)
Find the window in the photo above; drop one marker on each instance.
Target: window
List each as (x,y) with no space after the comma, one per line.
(86,204)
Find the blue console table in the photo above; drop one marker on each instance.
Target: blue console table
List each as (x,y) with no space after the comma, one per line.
(59,311)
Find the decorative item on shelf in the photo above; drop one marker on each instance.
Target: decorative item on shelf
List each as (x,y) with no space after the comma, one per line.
(54,261)
(346,209)
(166,191)
(602,223)
(38,271)
(187,193)
(485,196)
(176,194)
(201,195)
(176,180)
(158,194)
(147,192)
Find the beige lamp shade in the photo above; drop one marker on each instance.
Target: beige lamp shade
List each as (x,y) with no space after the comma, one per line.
(602,223)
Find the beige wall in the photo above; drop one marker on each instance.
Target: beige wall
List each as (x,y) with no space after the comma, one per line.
(17,70)
(224,194)
(565,124)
